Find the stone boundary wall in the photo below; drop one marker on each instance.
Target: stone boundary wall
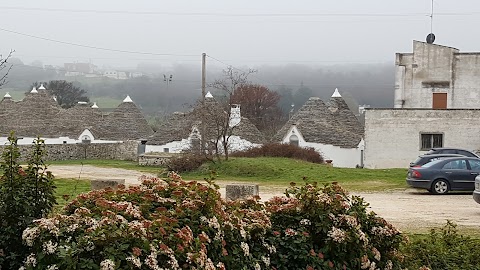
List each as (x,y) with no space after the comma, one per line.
(126,150)
(160,159)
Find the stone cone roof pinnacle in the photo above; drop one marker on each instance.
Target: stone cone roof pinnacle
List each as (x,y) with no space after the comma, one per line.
(336,93)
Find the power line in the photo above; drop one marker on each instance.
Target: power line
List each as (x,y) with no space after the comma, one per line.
(226,14)
(213,13)
(95,47)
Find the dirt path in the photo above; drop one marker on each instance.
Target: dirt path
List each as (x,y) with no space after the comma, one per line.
(408,210)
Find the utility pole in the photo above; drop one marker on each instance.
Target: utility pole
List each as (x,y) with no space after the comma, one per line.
(204,75)
(204,84)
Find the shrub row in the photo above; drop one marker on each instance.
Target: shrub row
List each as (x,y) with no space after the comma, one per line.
(173,224)
(186,162)
(281,150)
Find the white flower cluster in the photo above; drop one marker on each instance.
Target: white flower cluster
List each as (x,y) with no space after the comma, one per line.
(49,247)
(337,235)
(49,224)
(72,227)
(271,248)
(266,261)
(107,265)
(52,267)
(135,261)
(351,221)
(365,262)
(245,248)
(243,233)
(31,260)
(384,231)
(376,254)
(221,266)
(363,237)
(324,198)
(29,235)
(389,265)
(257,266)
(305,222)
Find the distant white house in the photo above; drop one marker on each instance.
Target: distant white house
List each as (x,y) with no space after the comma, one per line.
(331,129)
(117,75)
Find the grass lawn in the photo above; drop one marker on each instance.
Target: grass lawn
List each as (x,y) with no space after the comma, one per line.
(70,187)
(275,172)
(282,171)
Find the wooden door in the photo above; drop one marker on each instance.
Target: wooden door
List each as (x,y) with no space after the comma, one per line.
(439,101)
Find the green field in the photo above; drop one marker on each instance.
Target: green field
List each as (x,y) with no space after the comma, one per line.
(15,93)
(68,189)
(276,172)
(282,171)
(106,102)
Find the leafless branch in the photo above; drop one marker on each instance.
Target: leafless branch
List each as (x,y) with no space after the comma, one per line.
(5,68)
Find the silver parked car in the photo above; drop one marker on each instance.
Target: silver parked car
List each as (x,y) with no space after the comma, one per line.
(476,192)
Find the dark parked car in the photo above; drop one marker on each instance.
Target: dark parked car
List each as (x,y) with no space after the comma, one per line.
(476,192)
(445,150)
(444,175)
(424,159)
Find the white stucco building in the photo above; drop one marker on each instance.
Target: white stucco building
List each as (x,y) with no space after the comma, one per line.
(182,131)
(331,129)
(437,104)
(436,76)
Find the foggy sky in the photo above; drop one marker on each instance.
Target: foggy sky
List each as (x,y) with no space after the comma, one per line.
(247,33)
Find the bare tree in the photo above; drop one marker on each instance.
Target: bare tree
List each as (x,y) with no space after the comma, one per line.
(4,68)
(260,105)
(220,127)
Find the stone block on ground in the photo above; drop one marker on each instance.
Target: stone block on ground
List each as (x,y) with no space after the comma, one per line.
(240,191)
(106,183)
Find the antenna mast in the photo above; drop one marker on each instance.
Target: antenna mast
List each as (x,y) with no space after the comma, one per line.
(431,19)
(431,36)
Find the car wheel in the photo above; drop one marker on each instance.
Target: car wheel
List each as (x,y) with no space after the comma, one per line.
(440,186)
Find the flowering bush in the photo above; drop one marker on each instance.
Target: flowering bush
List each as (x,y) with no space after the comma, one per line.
(173,224)
(25,194)
(161,224)
(325,228)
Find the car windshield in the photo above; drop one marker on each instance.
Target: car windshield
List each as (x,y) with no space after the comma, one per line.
(432,163)
(417,160)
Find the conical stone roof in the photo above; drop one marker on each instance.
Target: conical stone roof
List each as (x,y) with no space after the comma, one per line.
(179,125)
(319,123)
(126,122)
(176,127)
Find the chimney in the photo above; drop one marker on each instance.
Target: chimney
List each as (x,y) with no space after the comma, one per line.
(235,116)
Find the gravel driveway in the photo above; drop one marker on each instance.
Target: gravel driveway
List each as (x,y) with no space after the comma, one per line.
(409,210)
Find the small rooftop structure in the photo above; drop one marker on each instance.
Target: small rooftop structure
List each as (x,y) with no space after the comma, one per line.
(128,99)
(336,93)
